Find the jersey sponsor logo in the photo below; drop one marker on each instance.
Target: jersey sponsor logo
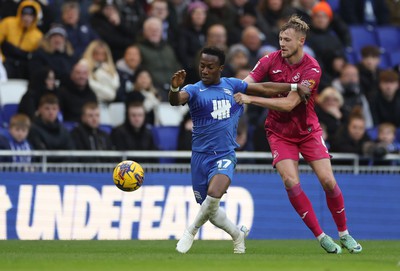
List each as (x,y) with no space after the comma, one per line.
(315,69)
(310,83)
(221,109)
(296,78)
(276,71)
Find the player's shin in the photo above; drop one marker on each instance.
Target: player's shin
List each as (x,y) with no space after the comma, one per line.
(208,208)
(335,201)
(220,220)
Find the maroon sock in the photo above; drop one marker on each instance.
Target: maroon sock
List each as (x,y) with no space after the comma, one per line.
(334,199)
(303,207)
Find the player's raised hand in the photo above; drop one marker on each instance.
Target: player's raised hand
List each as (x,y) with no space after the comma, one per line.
(241,98)
(304,92)
(178,78)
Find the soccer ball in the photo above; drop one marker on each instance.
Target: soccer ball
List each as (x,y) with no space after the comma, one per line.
(128,176)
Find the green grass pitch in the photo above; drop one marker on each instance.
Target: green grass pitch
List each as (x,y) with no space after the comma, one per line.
(205,255)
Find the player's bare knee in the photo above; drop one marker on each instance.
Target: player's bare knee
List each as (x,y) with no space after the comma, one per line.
(328,182)
(289,181)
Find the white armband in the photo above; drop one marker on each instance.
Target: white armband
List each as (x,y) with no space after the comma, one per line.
(293,87)
(174,89)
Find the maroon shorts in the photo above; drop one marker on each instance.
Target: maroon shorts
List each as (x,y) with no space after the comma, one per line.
(312,148)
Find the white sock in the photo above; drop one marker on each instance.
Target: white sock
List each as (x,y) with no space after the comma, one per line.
(208,208)
(322,235)
(343,233)
(220,220)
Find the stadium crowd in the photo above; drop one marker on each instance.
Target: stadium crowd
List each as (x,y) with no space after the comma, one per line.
(81,57)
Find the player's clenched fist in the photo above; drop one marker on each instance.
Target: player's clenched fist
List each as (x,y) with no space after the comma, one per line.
(241,98)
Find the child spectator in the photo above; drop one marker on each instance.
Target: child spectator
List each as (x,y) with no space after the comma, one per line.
(385,143)
(16,139)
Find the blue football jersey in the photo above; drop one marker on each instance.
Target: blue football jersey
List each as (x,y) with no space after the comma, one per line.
(215,114)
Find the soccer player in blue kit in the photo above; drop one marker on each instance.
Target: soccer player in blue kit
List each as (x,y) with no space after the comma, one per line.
(215,116)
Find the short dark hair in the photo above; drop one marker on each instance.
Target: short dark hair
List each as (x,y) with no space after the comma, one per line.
(214,51)
(48,99)
(370,50)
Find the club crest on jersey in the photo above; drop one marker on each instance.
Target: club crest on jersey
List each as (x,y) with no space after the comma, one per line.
(228,91)
(310,83)
(296,78)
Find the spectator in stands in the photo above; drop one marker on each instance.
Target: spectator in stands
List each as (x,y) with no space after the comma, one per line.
(236,59)
(325,44)
(143,83)
(352,136)
(369,70)
(348,84)
(127,68)
(133,134)
(42,82)
(328,109)
(75,92)
(272,11)
(220,12)
(16,139)
(19,37)
(385,143)
(170,33)
(132,14)
(367,12)
(192,38)
(217,36)
(386,103)
(79,34)
(55,52)
(87,135)
(47,132)
(157,55)
(103,76)
(252,39)
(304,9)
(394,9)
(107,23)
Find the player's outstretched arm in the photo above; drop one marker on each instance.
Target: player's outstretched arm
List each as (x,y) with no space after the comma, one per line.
(285,104)
(268,89)
(176,97)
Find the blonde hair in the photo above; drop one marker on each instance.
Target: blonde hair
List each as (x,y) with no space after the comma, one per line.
(297,24)
(88,56)
(330,92)
(387,125)
(20,120)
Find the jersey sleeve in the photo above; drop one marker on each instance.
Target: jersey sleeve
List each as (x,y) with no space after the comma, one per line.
(238,85)
(191,90)
(311,77)
(260,70)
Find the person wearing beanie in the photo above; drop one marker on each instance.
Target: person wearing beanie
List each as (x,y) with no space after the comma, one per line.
(19,37)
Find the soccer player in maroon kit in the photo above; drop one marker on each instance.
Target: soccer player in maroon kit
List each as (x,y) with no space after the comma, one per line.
(292,127)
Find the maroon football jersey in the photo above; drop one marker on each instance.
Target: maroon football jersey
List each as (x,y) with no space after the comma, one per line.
(302,120)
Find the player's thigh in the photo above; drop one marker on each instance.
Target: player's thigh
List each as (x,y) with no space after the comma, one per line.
(221,169)
(199,176)
(324,172)
(282,149)
(289,171)
(313,147)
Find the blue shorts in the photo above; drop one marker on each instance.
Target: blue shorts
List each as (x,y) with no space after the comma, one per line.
(206,165)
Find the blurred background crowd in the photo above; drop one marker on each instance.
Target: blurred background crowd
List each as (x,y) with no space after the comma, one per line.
(95,74)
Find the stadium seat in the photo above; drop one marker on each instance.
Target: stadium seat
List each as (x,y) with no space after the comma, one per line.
(334,4)
(389,38)
(394,58)
(167,115)
(12,91)
(106,128)
(166,137)
(350,56)
(373,132)
(385,61)
(117,113)
(8,110)
(69,125)
(362,36)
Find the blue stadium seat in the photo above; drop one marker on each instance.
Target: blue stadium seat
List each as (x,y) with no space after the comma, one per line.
(8,110)
(334,4)
(106,128)
(394,58)
(350,56)
(385,62)
(389,38)
(69,125)
(373,132)
(166,137)
(362,36)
